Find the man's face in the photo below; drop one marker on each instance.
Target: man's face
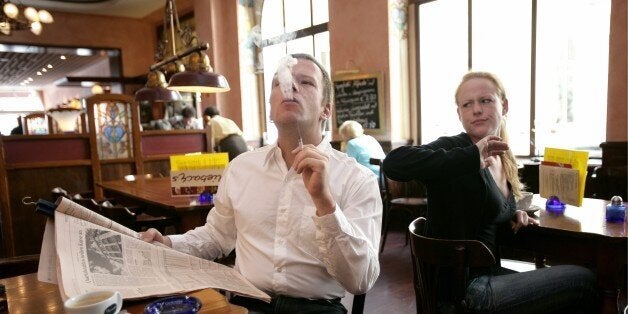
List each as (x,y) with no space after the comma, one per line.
(305,106)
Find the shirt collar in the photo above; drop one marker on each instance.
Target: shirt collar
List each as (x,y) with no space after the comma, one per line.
(274,150)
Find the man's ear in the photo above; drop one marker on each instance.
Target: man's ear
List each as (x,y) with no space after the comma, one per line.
(326,114)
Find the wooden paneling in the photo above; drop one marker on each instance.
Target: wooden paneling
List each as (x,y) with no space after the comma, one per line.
(32,165)
(45,148)
(27,226)
(173,142)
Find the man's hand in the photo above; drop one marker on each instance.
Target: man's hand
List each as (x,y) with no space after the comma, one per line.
(152,235)
(522,220)
(490,146)
(311,163)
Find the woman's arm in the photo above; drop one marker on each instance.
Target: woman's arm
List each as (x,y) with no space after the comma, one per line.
(445,158)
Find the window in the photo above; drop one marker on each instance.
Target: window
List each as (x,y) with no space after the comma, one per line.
(16,104)
(291,26)
(554,67)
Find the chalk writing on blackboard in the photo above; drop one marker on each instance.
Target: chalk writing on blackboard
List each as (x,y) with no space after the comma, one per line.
(358,98)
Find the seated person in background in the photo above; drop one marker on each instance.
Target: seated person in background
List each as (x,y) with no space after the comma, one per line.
(472,183)
(187,120)
(305,222)
(226,133)
(360,146)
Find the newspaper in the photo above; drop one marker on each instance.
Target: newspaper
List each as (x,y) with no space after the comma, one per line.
(83,251)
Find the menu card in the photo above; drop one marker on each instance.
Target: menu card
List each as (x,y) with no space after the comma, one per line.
(194,174)
(563,173)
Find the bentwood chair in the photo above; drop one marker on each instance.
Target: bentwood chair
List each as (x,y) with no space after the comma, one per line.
(408,197)
(432,258)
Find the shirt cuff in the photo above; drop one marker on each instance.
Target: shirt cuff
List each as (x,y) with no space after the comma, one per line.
(330,225)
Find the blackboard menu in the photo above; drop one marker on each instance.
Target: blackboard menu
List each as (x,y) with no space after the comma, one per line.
(358,98)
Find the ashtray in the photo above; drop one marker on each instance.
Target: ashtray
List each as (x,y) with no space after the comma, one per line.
(174,305)
(554,205)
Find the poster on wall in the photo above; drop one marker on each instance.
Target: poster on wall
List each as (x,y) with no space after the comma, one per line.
(359,97)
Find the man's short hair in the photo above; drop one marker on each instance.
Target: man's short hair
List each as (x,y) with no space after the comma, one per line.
(188,112)
(327,90)
(211,111)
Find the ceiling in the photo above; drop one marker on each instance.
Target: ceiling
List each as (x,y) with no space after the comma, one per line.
(18,63)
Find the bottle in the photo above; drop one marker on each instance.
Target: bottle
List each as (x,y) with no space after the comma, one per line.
(616,210)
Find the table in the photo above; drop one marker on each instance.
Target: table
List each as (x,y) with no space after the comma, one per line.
(580,236)
(26,294)
(156,194)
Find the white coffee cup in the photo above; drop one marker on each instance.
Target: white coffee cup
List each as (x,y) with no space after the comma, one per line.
(101,302)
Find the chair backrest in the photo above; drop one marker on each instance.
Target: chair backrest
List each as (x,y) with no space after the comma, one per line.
(380,180)
(433,257)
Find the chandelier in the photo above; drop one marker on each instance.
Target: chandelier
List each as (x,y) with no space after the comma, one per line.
(197,76)
(32,19)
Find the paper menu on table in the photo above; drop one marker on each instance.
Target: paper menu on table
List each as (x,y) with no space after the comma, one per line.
(191,175)
(565,182)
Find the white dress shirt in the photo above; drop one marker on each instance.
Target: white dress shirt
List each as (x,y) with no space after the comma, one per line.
(263,209)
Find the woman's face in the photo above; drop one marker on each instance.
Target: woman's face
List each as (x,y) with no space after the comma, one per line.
(480,108)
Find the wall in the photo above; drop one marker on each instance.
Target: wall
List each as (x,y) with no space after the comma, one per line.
(358,37)
(616,129)
(135,37)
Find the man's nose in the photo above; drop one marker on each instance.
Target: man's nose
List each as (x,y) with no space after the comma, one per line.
(295,87)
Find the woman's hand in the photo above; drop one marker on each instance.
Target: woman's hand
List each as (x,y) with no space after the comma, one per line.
(152,235)
(490,146)
(522,219)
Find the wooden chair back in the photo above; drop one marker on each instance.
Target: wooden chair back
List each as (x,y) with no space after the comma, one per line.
(432,257)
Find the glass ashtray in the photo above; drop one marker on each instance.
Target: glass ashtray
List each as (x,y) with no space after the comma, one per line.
(174,305)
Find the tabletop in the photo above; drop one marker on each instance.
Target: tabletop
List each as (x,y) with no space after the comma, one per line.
(588,218)
(26,294)
(156,191)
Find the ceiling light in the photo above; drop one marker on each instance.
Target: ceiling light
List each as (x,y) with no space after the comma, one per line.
(155,89)
(197,77)
(32,19)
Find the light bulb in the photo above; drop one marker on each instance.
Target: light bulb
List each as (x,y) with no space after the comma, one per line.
(45,17)
(36,28)
(10,10)
(31,14)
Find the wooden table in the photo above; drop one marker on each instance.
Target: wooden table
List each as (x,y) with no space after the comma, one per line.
(581,236)
(155,193)
(26,294)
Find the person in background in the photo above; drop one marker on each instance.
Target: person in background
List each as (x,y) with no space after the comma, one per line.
(187,120)
(226,133)
(304,218)
(18,129)
(360,146)
(472,183)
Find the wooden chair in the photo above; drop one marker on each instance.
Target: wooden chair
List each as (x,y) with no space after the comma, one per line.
(357,306)
(135,219)
(409,197)
(433,257)
(35,123)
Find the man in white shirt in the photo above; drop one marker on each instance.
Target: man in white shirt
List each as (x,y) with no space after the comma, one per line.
(305,221)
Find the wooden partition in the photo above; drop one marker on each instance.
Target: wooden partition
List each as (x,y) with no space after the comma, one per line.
(32,165)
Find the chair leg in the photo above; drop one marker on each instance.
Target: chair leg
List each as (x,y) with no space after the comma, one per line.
(385,220)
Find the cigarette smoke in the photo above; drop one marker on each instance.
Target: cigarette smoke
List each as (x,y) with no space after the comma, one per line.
(284,75)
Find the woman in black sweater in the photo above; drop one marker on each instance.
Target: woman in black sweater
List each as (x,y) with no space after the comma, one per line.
(472,183)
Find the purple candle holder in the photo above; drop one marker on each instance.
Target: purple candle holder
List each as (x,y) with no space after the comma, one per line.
(206,197)
(554,205)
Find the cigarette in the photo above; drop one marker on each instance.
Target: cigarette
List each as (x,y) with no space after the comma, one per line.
(300,138)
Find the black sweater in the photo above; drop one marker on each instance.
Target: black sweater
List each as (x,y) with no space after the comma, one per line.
(464,201)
